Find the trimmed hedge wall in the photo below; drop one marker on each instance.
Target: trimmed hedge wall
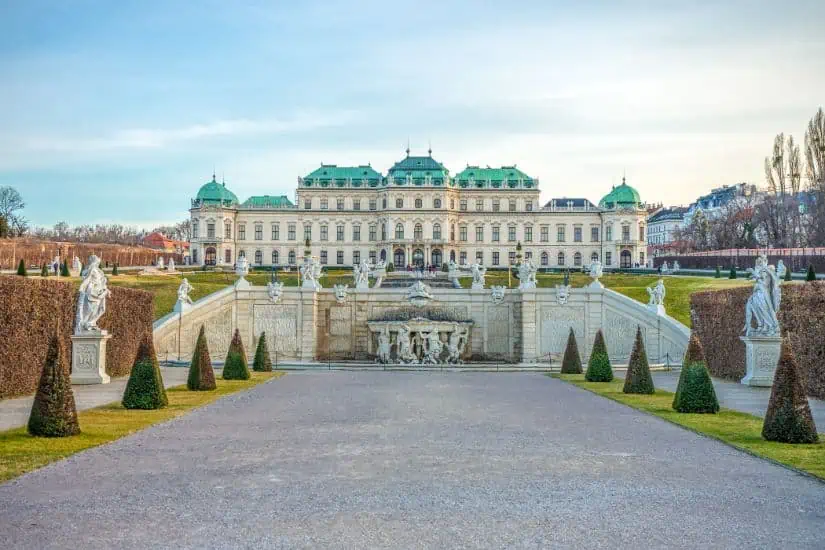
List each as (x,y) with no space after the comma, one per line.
(29,312)
(719,316)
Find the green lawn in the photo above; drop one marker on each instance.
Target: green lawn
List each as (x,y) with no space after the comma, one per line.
(21,453)
(741,430)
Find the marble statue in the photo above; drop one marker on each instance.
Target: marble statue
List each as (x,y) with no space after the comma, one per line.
(405,353)
(361,274)
(241,267)
(91,301)
(562,294)
(596,270)
(160,262)
(456,344)
(76,266)
(183,292)
(340,293)
(762,307)
(479,274)
(527,275)
(665,268)
(310,274)
(171,266)
(657,293)
(497,294)
(419,294)
(383,346)
(433,347)
(274,289)
(676,266)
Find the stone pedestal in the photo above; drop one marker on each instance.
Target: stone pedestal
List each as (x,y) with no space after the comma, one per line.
(182,307)
(761,358)
(89,358)
(657,309)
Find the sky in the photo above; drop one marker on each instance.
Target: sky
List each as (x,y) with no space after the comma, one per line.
(120,111)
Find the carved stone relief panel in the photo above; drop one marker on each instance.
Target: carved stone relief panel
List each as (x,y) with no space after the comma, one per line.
(555,327)
(280,322)
(498,330)
(340,328)
(218,329)
(619,335)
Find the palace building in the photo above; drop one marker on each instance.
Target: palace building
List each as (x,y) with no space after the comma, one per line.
(417,214)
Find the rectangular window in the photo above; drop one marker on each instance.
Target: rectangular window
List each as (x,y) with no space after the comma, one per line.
(479,257)
(339,233)
(608,258)
(324,204)
(495,234)
(512,258)
(210,230)
(479,233)
(594,234)
(545,233)
(307,204)
(373,204)
(495,258)
(577,234)
(608,233)
(462,233)
(641,258)
(512,206)
(560,234)
(463,205)
(462,257)
(339,204)
(496,205)
(625,232)
(544,258)
(259,232)
(373,256)
(339,257)
(356,257)
(227,231)
(242,232)
(194,236)
(373,231)
(324,257)
(227,256)
(290,232)
(479,204)
(356,204)
(307,232)
(276,232)
(511,234)
(528,234)
(528,206)
(324,233)
(356,232)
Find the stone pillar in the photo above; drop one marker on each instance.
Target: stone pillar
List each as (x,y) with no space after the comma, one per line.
(309,310)
(529,351)
(761,358)
(89,358)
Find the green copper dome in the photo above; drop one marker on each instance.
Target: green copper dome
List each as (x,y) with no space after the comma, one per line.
(213,192)
(621,196)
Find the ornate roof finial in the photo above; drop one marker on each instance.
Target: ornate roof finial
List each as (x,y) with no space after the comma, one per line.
(624,173)
(213,175)
(408,147)
(430,148)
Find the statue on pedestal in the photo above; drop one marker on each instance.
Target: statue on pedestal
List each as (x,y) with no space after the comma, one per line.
(762,307)
(527,275)
(657,294)
(160,262)
(183,292)
(91,301)
(241,267)
(171,265)
(479,274)
(76,266)
(310,274)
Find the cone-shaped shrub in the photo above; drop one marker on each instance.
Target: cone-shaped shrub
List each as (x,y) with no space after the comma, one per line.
(811,276)
(21,268)
(695,393)
(718,274)
(262,362)
(44,271)
(638,379)
(114,271)
(201,375)
(788,275)
(732,274)
(64,270)
(235,366)
(788,419)
(53,411)
(145,387)
(694,354)
(598,368)
(572,362)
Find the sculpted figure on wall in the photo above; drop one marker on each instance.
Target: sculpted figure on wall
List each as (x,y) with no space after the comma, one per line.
(171,266)
(76,267)
(160,262)
(456,344)
(242,267)
(183,292)
(405,352)
(311,274)
(91,301)
(762,307)
(596,270)
(340,293)
(383,346)
(479,274)
(657,293)
(433,347)
(527,275)
(497,294)
(274,289)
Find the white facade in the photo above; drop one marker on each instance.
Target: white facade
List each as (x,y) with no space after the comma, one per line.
(404,222)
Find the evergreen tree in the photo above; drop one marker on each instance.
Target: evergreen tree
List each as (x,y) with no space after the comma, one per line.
(638,378)
(53,411)
(64,270)
(732,274)
(44,271)
(114,271)
(718,274)
(21,268)
(788,419)
(145,387)
(572,362)
(788,275)
(201,375)
(695,393)
(598,368)
(235,366)
(811,276)
(262,363)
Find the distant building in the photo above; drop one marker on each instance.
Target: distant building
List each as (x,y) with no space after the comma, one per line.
(662,228)
(713,203)
(159,241)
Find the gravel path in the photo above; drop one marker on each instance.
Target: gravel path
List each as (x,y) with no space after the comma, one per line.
(413,460)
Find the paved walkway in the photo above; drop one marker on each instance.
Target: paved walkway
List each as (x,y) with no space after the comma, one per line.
(734,395)
(15,412)
(413,460)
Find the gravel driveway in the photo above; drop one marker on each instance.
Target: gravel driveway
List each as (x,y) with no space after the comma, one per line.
(413,460)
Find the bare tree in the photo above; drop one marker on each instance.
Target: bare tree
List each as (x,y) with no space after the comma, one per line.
(815,171)
(11,203)
(780,210)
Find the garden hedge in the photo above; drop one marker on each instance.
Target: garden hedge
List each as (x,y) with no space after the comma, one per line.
(719,316)
(31,307)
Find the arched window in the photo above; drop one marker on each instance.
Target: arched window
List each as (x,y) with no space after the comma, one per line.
(452,255)
(436,203)
(436,231)
(275,258)
(545,260)
(399,231)
(560,258)
(242,254)
(419,203)
(418,232)
(383,232)
(259,257)
(291,257)
(594,257)
(436,257)
(577,259)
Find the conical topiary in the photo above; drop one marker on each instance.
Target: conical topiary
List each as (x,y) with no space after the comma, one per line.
(235,366)
(695,393)
(21,268)
(114,271)
(145,390)
(262,362)
(572,362)
(718,273)
(811,275)
(638,379)
(788,275)
(44,271)
(788,419)
(598,368)
(201,375)
(732,274)
(64,270)
(53,412)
